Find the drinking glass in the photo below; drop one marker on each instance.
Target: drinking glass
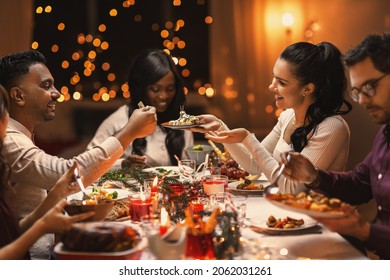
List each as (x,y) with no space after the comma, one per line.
(187,169)
(238,203)
(140,205)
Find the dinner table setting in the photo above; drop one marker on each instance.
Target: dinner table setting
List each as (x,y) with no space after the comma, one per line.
(205,208)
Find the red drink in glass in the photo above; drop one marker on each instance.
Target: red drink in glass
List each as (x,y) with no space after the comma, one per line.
(139,208)
(200,246)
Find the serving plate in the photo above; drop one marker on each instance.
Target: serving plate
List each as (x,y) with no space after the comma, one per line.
(131,254)
(263,225)
(184,126)
(233,188)
(161,170)
(309,212)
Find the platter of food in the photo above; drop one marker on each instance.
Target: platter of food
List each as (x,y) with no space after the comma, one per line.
(283,225)
(169,171)
(314,204)
(179,126)
(183,122)
(248,187)
(120,212)
(101,241)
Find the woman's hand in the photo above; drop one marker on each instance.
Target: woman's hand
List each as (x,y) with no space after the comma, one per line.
(65,186)
(209,123)
(133,160)
(231,136)
(54,221)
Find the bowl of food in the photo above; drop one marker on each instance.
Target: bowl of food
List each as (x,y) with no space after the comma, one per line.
(101,207)
(198,153)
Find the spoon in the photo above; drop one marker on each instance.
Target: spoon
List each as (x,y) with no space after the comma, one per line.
(81,184)
(274,188)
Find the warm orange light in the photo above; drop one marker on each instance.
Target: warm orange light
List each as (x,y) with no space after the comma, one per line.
(287,19)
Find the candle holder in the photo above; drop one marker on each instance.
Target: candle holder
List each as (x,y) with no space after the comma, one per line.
(214,184)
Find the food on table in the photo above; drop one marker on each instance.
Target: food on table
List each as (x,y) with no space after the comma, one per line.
(100,237)
(223,156)
(162,171)
(121,209)
(245,184)
(231,169)
(185,119)
(198,148)
(311,201)
(285,223)
(102,194)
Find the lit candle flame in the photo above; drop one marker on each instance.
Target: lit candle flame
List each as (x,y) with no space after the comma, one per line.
(155,182)
(164,217)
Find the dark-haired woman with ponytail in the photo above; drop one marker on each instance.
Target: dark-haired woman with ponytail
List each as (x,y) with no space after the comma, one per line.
(153,80)
(309,84)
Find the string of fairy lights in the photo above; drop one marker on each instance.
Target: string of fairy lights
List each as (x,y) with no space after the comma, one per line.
(97,45)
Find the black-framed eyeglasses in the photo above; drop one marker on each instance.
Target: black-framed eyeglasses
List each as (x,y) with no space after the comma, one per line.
(368,89)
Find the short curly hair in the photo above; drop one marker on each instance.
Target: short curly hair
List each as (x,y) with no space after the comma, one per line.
(375,46)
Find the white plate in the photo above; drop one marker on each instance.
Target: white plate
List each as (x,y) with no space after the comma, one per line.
(311,213)
(122,193)
(233,188)
(160,170)
(184,126)
(263,225)
(131,254)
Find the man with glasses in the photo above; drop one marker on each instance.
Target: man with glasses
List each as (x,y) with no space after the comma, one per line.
(369,66)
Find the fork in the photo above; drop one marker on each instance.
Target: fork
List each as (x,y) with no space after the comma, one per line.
(273,187)
(80,183)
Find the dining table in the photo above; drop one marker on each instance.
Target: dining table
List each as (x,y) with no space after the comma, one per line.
(314,241)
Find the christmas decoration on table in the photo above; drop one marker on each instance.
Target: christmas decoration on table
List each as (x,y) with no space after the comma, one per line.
(174,202)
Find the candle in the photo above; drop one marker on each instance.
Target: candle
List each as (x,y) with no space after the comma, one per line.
(164,221)
(154,188)
(139,206)
(214,184)
(154,194)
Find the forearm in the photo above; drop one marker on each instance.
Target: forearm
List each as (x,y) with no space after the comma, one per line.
(243,157)
(18,248)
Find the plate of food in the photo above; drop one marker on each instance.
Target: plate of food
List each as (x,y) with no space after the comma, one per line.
(283,224)
(183,122)
(102,193)
(101,241)
(120,212)
(248,187)
(169,171)
(179,126)
(313,204)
